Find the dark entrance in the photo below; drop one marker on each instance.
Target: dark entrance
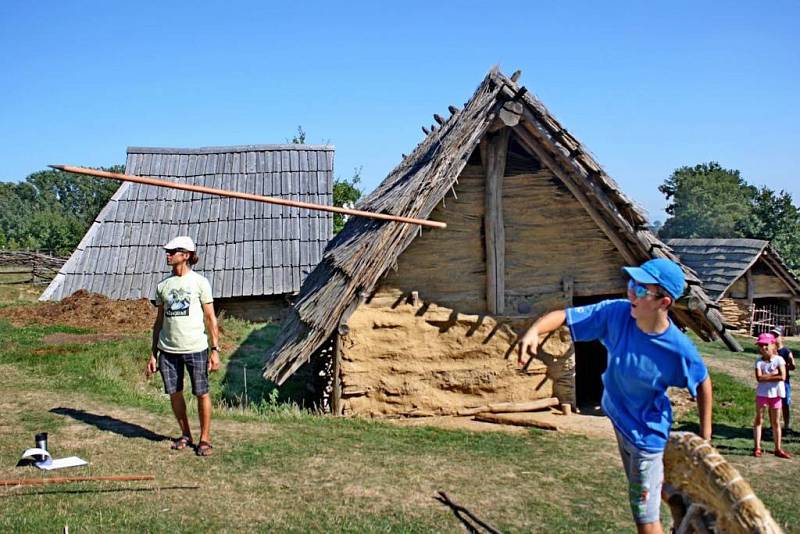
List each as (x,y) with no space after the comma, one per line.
(591,360)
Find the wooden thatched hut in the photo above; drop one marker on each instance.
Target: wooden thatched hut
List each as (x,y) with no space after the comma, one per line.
(747,278)
(410,322)
(253,254)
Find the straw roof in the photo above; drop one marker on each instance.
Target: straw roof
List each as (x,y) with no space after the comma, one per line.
(358,257)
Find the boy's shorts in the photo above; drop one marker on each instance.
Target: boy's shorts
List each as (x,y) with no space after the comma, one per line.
(171,367)
(774,403)
(645,471)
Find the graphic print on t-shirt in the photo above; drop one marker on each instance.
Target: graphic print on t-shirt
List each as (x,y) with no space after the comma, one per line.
(177,302)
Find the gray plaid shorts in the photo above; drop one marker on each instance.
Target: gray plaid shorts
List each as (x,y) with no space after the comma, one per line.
(171,367)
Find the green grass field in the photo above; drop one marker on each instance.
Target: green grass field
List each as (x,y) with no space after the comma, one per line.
(279,468)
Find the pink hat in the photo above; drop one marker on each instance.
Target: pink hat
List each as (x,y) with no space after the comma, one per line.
(765,339)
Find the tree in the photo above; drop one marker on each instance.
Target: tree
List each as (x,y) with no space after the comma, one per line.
(52,210)
(709,201)
(775,218)
(345,191)
(706,201)
(345,195)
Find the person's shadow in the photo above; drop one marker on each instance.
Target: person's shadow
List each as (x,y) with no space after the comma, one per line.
(110,424)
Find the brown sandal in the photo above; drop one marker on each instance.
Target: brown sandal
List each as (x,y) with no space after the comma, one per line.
(181,443)
(204,449)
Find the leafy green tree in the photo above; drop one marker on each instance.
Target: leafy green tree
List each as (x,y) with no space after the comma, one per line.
(709,201)
(776,219)
(345,190)
(52,210)
(706,201)
(345,194)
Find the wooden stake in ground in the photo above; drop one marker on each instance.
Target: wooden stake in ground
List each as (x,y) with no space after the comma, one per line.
(247,196)
(64,480)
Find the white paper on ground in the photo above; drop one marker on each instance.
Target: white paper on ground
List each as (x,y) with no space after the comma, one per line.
(36,454)
(70,461)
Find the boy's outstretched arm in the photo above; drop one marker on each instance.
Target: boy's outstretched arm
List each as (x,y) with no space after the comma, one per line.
(705,400)
(529,343)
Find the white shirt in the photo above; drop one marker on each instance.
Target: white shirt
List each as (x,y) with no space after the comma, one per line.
(771,389)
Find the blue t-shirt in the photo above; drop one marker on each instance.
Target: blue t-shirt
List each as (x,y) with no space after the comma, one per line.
(641,367)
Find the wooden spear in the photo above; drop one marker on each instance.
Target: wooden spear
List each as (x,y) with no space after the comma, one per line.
(62,480)
(246,196)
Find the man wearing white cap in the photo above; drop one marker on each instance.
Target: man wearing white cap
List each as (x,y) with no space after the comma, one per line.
(180,339)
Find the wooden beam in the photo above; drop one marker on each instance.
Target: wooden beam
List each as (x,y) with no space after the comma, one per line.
(336,369)
(532,144)
(793,316)
(494,149)
(748,276)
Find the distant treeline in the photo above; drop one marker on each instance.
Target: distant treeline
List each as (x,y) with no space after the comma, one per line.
(51,210)
(712,202)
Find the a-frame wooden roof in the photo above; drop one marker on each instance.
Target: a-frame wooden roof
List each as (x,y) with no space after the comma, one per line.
(357,258)
(245,248)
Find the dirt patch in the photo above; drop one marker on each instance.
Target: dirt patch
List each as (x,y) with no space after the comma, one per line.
(576,424)
(87,310)
(81,339)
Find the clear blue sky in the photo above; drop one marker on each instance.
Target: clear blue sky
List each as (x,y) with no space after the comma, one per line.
(647,86)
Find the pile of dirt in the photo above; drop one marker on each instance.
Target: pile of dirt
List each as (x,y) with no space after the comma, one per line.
(87,310)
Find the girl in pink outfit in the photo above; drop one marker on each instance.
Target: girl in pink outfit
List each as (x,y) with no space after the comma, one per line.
(770,375)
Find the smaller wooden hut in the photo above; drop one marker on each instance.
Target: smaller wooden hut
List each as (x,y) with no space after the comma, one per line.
(747,278)
(254,254)
(408,323)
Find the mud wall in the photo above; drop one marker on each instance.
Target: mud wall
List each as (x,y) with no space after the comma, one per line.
(404,358)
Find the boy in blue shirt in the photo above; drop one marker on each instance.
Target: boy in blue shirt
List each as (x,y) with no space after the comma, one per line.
(647,354)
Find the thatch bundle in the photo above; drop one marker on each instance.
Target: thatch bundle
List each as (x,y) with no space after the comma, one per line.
(704,490)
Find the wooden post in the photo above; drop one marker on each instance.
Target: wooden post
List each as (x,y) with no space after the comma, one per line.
(793,315)
(748,276)
(336,395)
(568,287)
(494,148)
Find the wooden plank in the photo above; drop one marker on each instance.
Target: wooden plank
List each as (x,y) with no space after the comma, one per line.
(494,149)
(336,370)
(529,142)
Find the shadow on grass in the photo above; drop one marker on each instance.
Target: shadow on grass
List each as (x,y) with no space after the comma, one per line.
(107,490)
(110,424)
(244,385)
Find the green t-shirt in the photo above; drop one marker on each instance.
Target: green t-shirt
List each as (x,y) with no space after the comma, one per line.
(183,330)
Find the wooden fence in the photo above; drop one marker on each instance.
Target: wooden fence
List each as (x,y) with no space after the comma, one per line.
(28,267)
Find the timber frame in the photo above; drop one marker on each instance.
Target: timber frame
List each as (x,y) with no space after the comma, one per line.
(356,260)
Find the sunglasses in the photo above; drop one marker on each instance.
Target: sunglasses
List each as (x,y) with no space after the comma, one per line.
(641,291)
(173,251)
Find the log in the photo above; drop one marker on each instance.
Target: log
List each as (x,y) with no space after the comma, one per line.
(510,407)
(63,480)
(245,196)
(517,407)
(515,420)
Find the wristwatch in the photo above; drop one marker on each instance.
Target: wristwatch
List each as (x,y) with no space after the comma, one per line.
(215,348)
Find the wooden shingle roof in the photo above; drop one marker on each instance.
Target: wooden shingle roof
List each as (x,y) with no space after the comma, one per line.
(358,257)
(245,248)
(720,262)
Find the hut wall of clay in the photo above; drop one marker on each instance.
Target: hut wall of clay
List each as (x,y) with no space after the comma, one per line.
(403,358)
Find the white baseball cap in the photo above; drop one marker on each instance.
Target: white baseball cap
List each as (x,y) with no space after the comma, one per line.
(182,241)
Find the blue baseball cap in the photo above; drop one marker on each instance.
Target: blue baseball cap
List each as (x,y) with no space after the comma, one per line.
(661,272)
